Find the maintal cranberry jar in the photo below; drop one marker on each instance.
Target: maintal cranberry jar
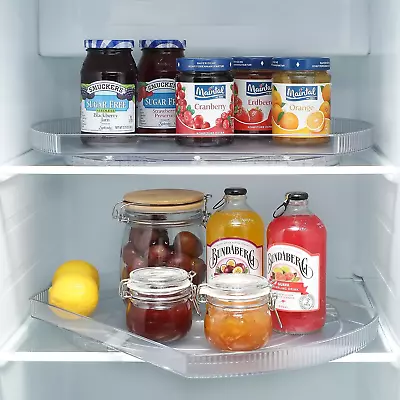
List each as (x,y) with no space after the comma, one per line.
(204,101)
(156,85)
(163,227)
(159,303)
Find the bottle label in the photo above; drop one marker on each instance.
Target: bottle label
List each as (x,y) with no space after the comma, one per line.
(295,277)
(301,108)
(232,255)
(156,104)
(107,107)
(253,103)
(204,108)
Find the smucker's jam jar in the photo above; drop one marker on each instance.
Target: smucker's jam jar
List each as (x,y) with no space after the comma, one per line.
(159,303)
(301,100)
(108,85)
(156,85)
(238,311)
(253,94)
(204,101)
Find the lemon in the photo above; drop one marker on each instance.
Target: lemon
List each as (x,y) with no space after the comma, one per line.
(77,266)
(74,292)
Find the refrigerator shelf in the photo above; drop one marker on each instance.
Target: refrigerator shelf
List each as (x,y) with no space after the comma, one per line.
(63,138)
(350,327)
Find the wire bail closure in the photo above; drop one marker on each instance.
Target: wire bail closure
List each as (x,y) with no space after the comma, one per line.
(284,205)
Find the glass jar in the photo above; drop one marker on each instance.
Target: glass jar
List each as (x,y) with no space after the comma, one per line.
(159,303)
(108,85)
(204,101)
(301,100)
(156,86)
(253,94)
(238,316)
(163,227)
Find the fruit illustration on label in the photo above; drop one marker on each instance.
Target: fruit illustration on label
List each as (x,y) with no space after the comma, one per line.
(231,267)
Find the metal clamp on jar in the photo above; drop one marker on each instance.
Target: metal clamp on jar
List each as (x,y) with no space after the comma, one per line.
(159,303)
(238,316)
(164,227)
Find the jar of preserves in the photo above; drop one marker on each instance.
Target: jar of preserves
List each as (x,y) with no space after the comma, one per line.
(238,311)
(204,101)
(156,85)
(163,227)
(108,85)
(253,94)
(159,303)
(301,100)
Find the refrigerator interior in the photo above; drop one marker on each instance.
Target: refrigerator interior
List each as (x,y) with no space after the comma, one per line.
(46,219)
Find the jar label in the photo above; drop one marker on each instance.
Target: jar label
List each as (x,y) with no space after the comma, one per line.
(253,103)
(156,104)
(232,255)
(205,108)
(301,109)
(295,277)
(107,107)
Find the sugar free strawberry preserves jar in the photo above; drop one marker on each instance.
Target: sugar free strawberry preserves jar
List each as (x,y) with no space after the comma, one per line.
(156,85)
(204,101)
(253,94)
(301,100)
(296,266)
(108,84)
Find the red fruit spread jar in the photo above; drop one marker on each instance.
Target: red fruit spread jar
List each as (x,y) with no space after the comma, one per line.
(204,101)
(253,94)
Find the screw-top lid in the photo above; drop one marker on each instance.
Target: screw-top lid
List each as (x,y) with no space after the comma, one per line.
(235,191)
(256,63)
(301,64)
(162,44)
(236,287)
(109,44)
(297,196)
(164,200)
(204,64)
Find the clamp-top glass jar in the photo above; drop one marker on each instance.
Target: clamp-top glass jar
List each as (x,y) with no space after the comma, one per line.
(159,303)
(164,227)
(238,316)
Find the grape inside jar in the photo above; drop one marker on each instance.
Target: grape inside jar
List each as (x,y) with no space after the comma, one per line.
(204,101)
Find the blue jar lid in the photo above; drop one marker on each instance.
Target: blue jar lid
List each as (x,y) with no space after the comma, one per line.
(252,63)
(301,64)
(109,44)
(204,64)
(162,44)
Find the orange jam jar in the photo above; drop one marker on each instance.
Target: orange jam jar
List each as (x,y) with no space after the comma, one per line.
(238,311)
(301,100)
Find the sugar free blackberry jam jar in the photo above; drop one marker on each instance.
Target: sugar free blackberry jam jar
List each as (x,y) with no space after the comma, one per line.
(108,84)
(252,90)
(204,101)
(156,86)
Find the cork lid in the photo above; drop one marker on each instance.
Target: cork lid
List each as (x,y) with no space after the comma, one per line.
(164,200)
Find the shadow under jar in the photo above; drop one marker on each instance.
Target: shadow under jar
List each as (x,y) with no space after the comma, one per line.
(238,311)
(108,86)
(159,303)
(163,227)
(204,102)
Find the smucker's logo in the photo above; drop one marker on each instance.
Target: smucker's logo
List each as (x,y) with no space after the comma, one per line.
(209,92)
(300,263)
(258,89)
(300,93)
(160,84)
(106,86)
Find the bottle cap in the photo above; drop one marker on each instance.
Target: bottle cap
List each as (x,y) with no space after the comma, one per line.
(235,191)
(109,44)
(297,196)
(162,44)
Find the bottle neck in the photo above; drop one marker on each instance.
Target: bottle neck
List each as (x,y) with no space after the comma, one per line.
(236,202)
(298,207)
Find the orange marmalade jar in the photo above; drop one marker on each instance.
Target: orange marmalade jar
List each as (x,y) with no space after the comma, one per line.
(252,91)
(301,100)
(238,311)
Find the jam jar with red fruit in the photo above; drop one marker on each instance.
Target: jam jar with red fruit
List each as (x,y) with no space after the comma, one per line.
(163,227)
(204,101)
(159,302)
(156,85)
